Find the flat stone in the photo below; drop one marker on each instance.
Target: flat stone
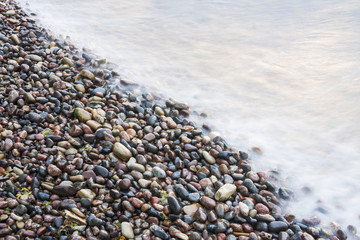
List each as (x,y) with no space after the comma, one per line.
(86,193)
(101,132)
(144,183)
(132,165)
(10,13)
(277,226)
(264,217)
(68,61)
(127,230)
(158,172)
(149,137)
(71,151)
(191,209)
(87,74)
(307,236)
(93,124)
(250,185)
(122,152)
(98,90)
(284,236)
(16,217)
(200,215)
(82,114)
(208,202)
(8,144)
(13,96)
(74,217)
(94,221)
(34,117)
(225,192)
(194,197)
(54,170)
(174,205)
(29,98)
(89,174)
(210,159)
(64,190)
(77,178)
(159,232)
(99,170)
(244,209)
(262,209)
(21,209)
(35,58)
(181,236)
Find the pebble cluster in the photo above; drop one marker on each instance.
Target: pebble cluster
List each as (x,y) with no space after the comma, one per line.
(79,160)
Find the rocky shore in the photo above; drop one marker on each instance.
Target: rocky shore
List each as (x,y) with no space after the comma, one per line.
(82,159)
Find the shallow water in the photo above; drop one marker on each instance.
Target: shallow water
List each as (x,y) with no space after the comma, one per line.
(282,76)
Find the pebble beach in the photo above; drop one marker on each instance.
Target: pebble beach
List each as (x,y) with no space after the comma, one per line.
(84,158)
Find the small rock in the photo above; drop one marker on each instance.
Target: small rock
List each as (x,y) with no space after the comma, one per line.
(54,170)
(144,183)
(174,204)
(10,13)
(86,193)
(225,192)
(100,133)
(74,217)
(210,159)
(93,124)
(36,58)
(82,114)
(159,232)
(191,209)
(29,98)
(208,202)
(127,230)
(34,117)
(64,190)
(277,226)
(250,185)
(158,172)
(8,144)
(121,151)
(13,96)
(244,209)
(124,184)
(99,170)
(87,74)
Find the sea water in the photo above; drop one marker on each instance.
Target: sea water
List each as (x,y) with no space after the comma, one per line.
(283,76)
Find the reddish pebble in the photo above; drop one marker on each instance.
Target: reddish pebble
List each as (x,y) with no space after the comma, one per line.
(221,236)
(262,209)
(247,228)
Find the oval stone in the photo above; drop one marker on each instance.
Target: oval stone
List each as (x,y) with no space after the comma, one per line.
(225,192)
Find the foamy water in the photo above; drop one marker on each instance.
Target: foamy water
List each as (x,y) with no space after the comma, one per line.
(282,76)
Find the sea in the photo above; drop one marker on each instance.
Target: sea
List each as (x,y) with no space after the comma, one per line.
(279,79)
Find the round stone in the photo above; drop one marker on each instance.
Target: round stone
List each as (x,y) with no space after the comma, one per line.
(158,172)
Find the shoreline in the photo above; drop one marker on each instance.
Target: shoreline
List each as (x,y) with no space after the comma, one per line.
(78,160)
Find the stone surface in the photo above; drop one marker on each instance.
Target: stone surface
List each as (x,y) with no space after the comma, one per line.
(86,193)
(121,151)
(225,192)
(127,230)
(82,114)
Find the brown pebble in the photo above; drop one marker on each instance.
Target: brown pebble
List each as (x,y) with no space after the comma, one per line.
(208,202)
